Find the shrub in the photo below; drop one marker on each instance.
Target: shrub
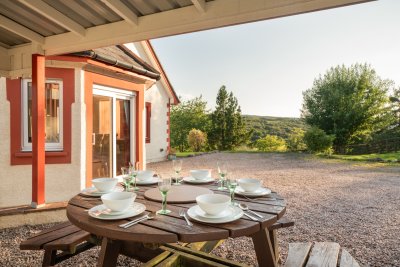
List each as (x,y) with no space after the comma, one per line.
(318,141)
(271,143)
(197,139)
(295,141)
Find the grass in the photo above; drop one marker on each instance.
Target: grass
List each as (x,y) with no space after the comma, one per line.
(387,157)
(186,154)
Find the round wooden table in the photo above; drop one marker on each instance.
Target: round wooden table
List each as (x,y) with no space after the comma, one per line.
(172,228)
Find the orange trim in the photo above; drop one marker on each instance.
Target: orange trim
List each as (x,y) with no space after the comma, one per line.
(14,96)
(38,129)
(163,74)
(90,80)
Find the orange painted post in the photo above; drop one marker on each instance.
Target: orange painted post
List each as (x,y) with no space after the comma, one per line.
(139,128)
(38,130)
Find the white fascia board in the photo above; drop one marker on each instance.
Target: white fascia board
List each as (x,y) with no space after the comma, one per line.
(54,15)
(219,13)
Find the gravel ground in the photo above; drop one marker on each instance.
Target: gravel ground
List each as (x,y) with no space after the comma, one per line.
(354,205)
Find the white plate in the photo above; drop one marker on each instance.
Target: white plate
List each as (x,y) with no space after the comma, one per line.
(93,192)
(191,180)
(153,180)
(203,214)
(133,210)
(234,215)
(262,191)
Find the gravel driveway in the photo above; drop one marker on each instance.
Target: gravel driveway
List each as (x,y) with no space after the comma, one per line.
(357,206)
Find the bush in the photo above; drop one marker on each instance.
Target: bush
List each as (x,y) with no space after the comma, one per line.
(197,139)
(271,143)
(295,141)
(318,141)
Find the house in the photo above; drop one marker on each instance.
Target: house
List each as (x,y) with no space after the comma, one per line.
(104,108)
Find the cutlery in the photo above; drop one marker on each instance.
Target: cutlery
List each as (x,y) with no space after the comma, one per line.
(259,198)
(244,207)
(149,216)
(251,217)
(182,213)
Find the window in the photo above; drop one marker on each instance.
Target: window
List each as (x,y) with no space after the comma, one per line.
(148,116)
(53,120)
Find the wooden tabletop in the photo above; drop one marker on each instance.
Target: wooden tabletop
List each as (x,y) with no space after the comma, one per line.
(172,228)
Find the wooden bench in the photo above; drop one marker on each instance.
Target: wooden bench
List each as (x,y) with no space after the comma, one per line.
(64,237)
(320,254)
(197,254)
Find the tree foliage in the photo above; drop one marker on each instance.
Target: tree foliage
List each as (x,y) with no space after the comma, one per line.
(271,143)
(227,129)
(196,139)
(295,140)
(317,140)
(186,116)
(349,103)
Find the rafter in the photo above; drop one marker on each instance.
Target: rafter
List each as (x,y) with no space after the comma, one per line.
(20,30)
(122,10)
(54,15)
(200,5)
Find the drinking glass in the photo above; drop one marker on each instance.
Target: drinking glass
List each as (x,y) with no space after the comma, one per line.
(232,184)
(126,178)
(164,184)
(133,173)
(223,172)
(177,165)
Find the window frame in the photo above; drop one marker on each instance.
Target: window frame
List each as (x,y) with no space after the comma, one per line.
(26,146)
(148,122)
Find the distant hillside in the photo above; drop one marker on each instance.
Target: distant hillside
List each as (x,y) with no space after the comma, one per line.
(280,126)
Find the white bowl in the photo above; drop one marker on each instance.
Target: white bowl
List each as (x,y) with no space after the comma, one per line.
(200,174)
(213,204)
(249,184)
(105,184)
(118,201)
(144,175)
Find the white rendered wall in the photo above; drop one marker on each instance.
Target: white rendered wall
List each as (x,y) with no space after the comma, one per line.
(157,149)
(62,181)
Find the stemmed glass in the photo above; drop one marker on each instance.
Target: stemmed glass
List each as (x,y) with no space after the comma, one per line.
(232,184)
(223,172)
(133,173)
(177,165)
(164,185)
(126,178)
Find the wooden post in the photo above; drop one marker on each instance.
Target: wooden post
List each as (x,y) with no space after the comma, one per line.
(139,128)
(38,130)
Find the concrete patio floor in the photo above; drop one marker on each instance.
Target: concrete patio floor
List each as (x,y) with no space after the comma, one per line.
(356,205)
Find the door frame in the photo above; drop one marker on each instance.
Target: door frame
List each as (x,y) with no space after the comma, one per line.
(115,94)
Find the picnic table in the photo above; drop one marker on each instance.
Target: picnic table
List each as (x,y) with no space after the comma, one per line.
(140,241)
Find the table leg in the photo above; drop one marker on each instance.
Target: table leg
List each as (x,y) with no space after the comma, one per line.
(263,247)
(109,252)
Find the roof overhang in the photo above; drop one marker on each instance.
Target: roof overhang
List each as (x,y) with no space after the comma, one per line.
(62,32)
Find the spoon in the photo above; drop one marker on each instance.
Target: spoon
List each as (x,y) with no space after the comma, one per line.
(246,208)
(149,216)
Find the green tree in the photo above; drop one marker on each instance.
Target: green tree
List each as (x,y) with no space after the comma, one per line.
(186,116)
(271,143)
(349,103)
(295,140)
(227,129)
(196,139)
(318,141)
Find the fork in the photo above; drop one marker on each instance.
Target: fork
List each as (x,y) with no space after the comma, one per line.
(182,213)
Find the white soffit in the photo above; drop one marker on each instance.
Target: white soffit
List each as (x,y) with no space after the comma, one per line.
(60,27)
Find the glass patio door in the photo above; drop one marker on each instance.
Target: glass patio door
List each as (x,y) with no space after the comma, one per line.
(112,137)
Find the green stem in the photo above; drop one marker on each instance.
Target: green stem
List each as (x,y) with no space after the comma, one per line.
(164,202)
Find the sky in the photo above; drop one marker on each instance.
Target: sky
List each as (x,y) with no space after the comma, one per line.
(268,64)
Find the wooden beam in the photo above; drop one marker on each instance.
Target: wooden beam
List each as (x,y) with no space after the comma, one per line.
(200,5)
(122,10)
(54,15)
(38,130)
(20,30)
